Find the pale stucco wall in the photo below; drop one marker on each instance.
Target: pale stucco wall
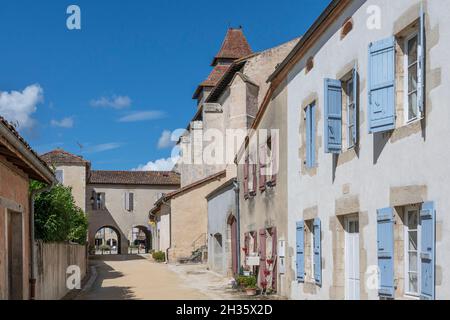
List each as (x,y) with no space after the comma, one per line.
(220,207)
(74,176)
(189,214)
(408,165)
(269,208)
(115,214)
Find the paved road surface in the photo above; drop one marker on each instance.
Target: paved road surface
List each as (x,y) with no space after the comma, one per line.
(135,277)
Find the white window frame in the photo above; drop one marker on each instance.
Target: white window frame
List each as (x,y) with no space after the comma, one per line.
(407,210)
(312,249)
(406,77)
(349,86)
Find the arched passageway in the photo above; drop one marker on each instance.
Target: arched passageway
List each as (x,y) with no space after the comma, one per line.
(140,240)
(107,241)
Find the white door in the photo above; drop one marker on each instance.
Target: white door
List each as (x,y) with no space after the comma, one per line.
(352,258)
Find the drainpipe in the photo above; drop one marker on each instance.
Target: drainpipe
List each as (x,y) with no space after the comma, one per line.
(238,240)
(32,239)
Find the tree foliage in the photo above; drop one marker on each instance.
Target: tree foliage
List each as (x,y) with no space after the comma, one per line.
(57,218)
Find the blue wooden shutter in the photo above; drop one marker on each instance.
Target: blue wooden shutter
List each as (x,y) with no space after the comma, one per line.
(317,252)
(313,134)
(421,64)
(427,251)
(381,85)
(300,251)
(385,251)
(333,116)
(355,81)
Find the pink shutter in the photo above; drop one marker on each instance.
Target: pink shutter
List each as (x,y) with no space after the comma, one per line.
(274,258)
(262,258)
(255,179)
(274,159)
(246,167)
(262,166)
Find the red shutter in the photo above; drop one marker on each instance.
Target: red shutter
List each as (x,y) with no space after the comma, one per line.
(262,167)
(274,258)
(246,167)
(262,258)
(255,179)
(274,159)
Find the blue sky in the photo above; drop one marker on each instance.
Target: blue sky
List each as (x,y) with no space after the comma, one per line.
(115,86)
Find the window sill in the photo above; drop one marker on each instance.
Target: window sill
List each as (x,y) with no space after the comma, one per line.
(407,296)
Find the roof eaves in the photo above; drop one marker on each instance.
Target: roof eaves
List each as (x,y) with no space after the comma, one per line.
(307,36)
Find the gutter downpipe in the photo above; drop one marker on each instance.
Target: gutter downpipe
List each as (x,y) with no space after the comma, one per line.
(238,240)
(32,239)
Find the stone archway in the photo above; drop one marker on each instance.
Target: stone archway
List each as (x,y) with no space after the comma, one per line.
(107,237)
(141,236)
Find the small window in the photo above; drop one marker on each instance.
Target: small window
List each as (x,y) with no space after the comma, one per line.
(347,26)
(411,77)
(129,201)
(309,64)
(59,174)
(310,135)
(412,249)
(100,201)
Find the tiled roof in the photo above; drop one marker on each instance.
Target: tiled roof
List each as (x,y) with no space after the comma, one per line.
(234,46)
(13,130)
(135,177)
(60,156)
(215,75)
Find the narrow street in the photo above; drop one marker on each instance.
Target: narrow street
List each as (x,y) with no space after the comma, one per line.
(138,277)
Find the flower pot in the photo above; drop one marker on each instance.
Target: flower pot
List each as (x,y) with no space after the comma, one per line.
(250,291)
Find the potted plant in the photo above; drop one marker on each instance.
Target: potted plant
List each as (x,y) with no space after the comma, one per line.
(250,286)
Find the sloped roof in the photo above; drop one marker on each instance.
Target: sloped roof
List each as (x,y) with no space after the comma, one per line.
(234,46)
(212,79)
(217,176)
(135,177)
(60,156)
(39,170)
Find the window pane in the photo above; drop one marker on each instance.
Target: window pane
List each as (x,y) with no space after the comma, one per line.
(412,261)
(412,105)
(412,78)
(412,220)
(412,50)
(413,283)
(412,240)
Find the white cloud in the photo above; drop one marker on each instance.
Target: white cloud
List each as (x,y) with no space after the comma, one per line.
(159,165)
(168,138)
(142,116)
(18,107)
(63,123)
(102,147)
(115,102)
(164,140)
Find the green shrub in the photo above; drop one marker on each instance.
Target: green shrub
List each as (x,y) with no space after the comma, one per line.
(57,218)
(159,256)
(105,247)
(246,281)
